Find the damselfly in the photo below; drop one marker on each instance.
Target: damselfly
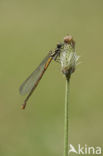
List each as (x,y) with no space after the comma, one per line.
(32,81)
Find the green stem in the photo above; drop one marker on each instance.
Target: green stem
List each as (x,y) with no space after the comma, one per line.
(66,118)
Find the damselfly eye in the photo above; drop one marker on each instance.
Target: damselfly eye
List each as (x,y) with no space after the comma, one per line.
(59,45)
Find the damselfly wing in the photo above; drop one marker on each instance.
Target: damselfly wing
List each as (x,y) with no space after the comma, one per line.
(32,81)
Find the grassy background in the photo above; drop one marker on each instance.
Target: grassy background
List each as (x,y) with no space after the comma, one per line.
(28,30)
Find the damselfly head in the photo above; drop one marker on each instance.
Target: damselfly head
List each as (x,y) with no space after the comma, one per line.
(59,45)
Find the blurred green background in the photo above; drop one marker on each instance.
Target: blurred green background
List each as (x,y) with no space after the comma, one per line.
(28,30)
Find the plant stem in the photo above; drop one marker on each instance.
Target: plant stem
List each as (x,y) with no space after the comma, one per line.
(66,118)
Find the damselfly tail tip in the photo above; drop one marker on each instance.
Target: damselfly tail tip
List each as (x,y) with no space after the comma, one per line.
(23,105)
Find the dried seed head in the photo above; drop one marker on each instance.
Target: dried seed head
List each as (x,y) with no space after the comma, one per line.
(68,56)
(69,40)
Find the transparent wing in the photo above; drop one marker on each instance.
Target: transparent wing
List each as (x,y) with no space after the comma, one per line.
(31,81)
